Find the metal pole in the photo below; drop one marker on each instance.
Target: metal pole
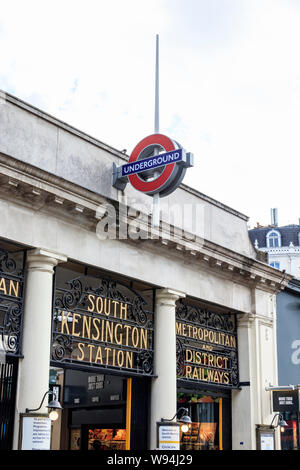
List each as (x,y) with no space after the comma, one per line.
(156,119)
(156,214)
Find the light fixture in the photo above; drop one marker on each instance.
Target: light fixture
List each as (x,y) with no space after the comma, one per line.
(280,422)
(52,406)
(184,420)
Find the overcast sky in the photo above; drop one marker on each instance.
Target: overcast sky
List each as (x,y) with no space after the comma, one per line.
(229,84)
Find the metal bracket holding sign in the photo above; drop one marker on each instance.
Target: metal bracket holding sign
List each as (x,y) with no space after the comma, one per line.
(35,432)
(168,436)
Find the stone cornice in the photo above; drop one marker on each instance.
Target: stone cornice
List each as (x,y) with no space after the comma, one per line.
(35,188)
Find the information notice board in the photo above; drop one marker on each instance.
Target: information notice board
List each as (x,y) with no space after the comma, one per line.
(36,433)
(168,436)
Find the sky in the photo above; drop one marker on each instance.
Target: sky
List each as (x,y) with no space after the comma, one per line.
(229,84)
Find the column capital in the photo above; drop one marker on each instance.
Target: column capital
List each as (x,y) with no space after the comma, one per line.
(245,320)
(40,259)
(168,296)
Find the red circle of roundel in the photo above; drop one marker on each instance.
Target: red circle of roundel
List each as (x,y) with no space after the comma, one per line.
(149,186)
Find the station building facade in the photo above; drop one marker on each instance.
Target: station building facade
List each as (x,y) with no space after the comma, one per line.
(126,328)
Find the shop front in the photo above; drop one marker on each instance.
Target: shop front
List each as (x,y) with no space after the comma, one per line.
(102,345)
(106,427)
(207,371)
(285,403)
(210,412)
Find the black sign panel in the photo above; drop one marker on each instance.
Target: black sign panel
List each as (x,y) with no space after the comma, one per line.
(92,389)
(286,400)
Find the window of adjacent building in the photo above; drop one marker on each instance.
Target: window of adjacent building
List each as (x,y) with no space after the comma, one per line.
(275,264)
(273,239)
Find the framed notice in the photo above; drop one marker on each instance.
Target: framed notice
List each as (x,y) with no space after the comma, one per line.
(267,441)
(36,432)
(168,436)
(265,437)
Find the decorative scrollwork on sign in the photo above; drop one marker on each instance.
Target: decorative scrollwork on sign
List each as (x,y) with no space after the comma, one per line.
(179,358)
(111,290)
(108,288)
(181,310)
(12,343)
(12,321)
(229,323)
(11,326)
(7,263)
(234,369)
(70,299)
(11,300)
(204,317)
(137,312)
(61,348)
(145,362)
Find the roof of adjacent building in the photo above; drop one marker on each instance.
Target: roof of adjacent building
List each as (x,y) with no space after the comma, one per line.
(289,233)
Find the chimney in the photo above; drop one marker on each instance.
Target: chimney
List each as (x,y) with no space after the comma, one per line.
(274,217)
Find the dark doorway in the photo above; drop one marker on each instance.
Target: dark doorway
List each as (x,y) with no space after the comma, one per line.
(8,382)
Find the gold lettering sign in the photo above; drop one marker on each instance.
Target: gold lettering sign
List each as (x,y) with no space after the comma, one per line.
(77,324)
(207,352)
(11,300)
(102,331)
(9,287)
(205,335)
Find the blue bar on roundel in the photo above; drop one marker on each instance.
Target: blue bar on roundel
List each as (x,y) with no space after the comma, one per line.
(152,162)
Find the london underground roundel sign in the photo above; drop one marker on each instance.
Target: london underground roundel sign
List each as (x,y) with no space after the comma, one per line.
(157,164)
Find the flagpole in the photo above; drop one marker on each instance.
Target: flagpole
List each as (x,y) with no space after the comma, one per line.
(156,118)
(156,212)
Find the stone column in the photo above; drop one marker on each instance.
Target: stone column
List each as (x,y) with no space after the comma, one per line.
(244,401)
(33,376)
(251,405)
(164,387)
